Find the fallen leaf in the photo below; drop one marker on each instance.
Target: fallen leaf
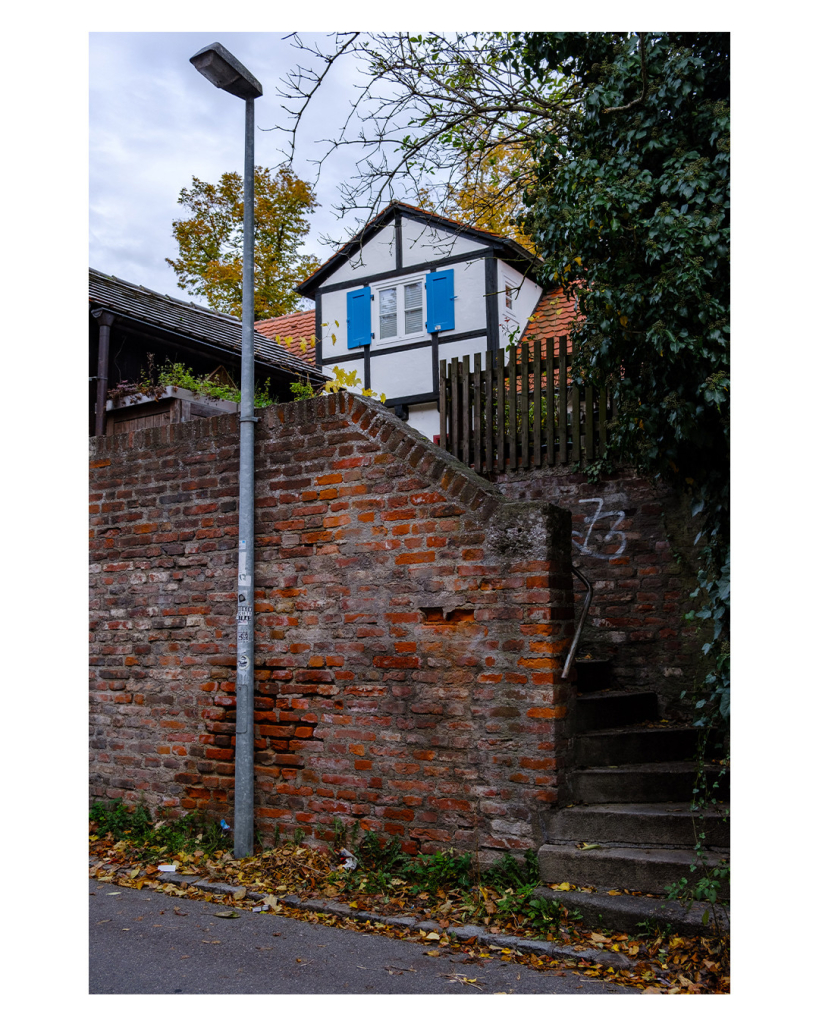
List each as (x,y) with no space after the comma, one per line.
(563,887)
(226,913)
(589,846)
(240,893)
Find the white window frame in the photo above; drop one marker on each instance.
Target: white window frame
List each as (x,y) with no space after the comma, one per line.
(401,338)
(509,315)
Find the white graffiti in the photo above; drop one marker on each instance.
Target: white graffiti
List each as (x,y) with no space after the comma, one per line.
(585,547)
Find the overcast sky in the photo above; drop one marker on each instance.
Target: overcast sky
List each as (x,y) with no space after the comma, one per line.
(154,122)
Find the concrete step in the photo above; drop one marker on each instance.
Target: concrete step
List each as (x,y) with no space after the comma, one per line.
(660,782)
(629,913)
(627,824)
(635,745)
(613,708)
(619,867)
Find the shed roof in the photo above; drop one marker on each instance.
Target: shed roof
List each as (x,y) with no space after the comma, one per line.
(219,330)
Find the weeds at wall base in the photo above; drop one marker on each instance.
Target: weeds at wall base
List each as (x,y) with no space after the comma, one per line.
(658,962)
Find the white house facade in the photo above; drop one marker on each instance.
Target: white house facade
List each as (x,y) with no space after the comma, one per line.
(411,289)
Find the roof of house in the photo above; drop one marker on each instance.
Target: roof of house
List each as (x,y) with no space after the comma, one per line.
(512,250)
(295,331)
(218,330)
(551,318)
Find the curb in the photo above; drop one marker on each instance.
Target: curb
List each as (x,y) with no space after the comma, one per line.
(624,912)
(539,947)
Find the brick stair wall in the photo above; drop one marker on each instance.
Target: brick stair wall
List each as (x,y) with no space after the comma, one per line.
(411,626)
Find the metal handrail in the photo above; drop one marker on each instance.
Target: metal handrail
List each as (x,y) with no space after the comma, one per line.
(586,604)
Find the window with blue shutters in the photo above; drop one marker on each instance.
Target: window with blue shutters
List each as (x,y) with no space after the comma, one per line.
(441,300)
(359,331)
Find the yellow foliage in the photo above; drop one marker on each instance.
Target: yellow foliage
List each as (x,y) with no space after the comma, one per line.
(345,379)
(488,197)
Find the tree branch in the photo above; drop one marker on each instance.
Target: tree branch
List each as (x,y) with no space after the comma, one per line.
(642,96)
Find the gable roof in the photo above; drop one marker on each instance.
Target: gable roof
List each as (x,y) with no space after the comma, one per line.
(511,250)
(300,327)
(217,330)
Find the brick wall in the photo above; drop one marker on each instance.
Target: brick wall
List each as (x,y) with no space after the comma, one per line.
(410,631)
(634,542)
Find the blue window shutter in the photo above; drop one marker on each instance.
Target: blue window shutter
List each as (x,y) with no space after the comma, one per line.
(441,301)
(358,318)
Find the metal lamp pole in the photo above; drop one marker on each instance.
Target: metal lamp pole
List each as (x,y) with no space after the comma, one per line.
(222,69)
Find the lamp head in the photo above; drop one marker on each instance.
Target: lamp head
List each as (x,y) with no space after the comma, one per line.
(222,69)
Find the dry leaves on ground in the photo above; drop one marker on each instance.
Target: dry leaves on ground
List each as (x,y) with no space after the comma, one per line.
(668,965)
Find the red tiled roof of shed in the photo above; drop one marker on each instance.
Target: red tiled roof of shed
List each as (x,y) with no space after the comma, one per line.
(300,327)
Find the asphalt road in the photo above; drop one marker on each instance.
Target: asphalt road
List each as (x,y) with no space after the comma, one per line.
(144,942)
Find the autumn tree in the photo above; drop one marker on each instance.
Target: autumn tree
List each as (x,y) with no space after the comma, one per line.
(210,241)
(488,194)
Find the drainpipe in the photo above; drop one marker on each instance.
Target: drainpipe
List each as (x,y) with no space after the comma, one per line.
(105,320)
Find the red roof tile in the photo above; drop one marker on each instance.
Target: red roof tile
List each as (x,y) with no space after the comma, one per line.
(551,318)
(295,331)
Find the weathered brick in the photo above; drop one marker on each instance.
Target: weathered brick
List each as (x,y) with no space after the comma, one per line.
(365,708)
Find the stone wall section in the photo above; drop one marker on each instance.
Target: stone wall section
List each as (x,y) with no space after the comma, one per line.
(411,627)
(633,539)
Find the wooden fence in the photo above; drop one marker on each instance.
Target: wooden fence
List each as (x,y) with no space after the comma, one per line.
(519,410)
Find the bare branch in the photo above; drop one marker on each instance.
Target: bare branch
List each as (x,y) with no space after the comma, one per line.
(431,113)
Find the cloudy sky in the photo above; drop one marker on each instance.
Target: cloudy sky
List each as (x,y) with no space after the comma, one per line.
(154,122)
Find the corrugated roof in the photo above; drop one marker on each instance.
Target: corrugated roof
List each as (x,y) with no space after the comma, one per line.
(192,321)
(300,327)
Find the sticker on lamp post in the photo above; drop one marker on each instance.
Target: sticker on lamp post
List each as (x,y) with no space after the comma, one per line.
(243,580)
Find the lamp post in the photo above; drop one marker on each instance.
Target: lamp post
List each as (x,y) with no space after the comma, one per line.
(222,69)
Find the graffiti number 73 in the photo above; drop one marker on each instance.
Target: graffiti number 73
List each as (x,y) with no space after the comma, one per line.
(587,545)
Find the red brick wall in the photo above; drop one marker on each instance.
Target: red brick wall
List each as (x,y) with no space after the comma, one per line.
(634,542)
(411,627)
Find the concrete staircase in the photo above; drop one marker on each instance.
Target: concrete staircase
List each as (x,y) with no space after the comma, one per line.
(630,796)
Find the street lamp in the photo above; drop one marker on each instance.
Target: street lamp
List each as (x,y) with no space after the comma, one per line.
(222,69)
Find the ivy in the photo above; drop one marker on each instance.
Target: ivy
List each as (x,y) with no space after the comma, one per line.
(631,215)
